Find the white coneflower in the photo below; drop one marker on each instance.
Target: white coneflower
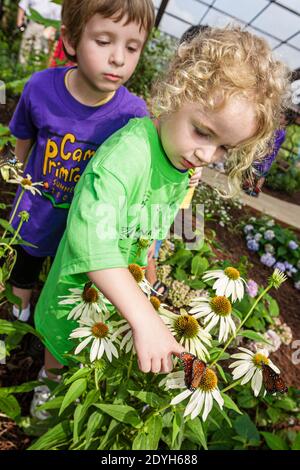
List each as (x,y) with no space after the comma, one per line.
(90,301)
(26,183)
(138,274)
(99,329)
(201,400)
(228,283)
(249,366)
(214,310)
(187,331)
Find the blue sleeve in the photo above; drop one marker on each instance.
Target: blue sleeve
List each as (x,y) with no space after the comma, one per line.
(21,124)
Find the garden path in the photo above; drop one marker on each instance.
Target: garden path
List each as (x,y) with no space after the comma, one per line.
(281,210)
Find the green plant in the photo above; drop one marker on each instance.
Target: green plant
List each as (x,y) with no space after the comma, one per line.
(153,61)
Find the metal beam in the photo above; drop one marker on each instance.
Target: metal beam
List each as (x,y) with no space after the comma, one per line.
(160,12)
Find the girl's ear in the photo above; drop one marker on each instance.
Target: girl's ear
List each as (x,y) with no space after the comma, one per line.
(67,42)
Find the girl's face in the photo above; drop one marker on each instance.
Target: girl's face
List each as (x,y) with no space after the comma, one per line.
(192,137)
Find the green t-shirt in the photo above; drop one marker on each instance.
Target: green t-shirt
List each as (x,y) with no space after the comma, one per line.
(128,191)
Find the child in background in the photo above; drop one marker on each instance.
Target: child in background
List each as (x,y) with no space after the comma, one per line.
(65,113)
(223,93)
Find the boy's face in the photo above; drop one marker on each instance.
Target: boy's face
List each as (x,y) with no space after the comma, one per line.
(108,52)
(192,137)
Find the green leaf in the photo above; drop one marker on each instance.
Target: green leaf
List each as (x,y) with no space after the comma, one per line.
(274,442)
(177,426)
(148,437)
(246,429)
(246,399)
(4,224)
(10,406)
(199,265)
(229,403)
(221,372)
(296,443)
(123,413)
(75,391)
(286,403)
(26,387)
(151,398)
(52,404)
(54,437)
(35,16)
(76,431)
(78,375)
(7,327)
(94,424)
(253,335)
(110,436)
(195,426)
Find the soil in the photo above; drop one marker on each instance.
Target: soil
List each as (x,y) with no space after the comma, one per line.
(292,198)
(6,110)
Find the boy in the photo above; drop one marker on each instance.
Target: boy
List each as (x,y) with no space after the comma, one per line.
(64,114)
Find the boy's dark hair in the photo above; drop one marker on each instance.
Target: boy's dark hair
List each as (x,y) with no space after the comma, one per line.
(76,13)
(192,32)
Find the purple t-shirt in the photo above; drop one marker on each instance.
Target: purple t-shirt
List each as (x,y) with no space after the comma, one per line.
(262,168)
(66,134)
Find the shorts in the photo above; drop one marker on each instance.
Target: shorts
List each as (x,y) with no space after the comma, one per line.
(26,271)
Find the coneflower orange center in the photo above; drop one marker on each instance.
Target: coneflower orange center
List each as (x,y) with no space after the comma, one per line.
(90,295)
(136,272)
(155,302)
(221,305)
(209,381)
(26,182)
(186,326)
(232,273)
(99,330)
(259,359)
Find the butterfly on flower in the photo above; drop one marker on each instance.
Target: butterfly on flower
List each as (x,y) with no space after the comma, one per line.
(272,381)
(194,369)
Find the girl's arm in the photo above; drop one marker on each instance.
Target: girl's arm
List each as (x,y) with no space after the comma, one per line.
(20,17)
(153,341)
(22,149)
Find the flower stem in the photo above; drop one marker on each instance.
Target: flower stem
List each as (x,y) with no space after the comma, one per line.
(130,365)
(242,323)
(232,385)
(16,232)
(15,210)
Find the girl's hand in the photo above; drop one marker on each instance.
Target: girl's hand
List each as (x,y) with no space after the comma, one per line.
(195,178)
(154,344)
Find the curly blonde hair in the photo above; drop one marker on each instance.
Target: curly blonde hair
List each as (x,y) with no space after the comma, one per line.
(228,62)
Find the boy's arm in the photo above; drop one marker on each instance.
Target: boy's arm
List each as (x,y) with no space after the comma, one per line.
(153,341)
(22,149)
